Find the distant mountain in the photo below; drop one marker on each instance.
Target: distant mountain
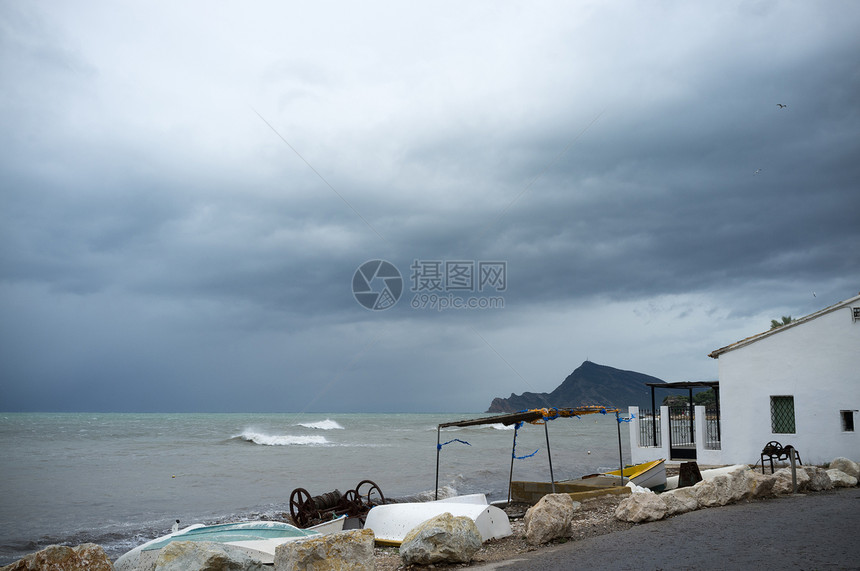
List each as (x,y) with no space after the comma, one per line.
(590,383)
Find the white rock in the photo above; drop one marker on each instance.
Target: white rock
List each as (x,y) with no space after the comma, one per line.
(345,551)
(818,479)
(442,539)
(848,466)
(840,479)
(680,500)
(84,557)
(549,518)
(734,484)
(205,556)
(641,507)
(759,485)
(712,493)
(782,480)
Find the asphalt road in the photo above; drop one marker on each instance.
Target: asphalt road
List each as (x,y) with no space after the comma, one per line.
(820,530)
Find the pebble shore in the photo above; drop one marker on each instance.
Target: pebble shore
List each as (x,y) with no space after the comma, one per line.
(595,518)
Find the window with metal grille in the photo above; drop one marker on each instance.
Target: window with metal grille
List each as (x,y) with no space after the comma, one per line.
(782,415)
(847,420)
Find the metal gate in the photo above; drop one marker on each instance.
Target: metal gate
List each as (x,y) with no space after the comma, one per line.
(682,436)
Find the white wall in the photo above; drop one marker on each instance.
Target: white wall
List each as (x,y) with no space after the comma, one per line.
(818,363)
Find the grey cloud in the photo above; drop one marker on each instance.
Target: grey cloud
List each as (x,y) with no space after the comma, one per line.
(157,235)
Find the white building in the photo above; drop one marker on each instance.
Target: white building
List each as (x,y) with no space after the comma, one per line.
(798,384)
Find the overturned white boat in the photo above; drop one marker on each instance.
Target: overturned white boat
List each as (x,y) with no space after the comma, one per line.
(257,538)
(391,522)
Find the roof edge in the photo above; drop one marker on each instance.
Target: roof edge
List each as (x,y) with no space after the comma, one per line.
(744,342)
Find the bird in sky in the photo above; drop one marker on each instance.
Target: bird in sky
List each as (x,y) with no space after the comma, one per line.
(757,171)
(781,105)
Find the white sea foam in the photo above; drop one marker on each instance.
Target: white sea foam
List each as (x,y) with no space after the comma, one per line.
(430,495)
(494,426)
(500,426)
(281,439)
(327,424)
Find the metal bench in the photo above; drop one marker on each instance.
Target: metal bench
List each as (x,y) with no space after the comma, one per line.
(773,450)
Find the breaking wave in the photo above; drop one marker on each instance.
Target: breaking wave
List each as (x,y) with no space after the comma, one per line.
(500,426)
(280,439)
(327,424)
(494,426)
(428,495)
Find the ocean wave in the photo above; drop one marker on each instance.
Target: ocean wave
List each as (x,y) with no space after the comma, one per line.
(428,495)
(327,424)
(494,426)
(499,426)
(280,439)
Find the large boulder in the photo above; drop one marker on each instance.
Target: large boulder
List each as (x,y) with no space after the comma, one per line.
(680,500)
(707,493)
(641,507)
(84,557)
(736,484)
(205,556)
(549,518)
(840,479)
(725,488)
(442,539)
(759,485)
(343,551)
(782,480)
(819,480)
(845,465)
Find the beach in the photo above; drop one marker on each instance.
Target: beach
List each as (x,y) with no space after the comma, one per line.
(595,518)
(118,480)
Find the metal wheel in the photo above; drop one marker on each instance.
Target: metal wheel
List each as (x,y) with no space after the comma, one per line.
(302,507)
(371,495)
(352,503)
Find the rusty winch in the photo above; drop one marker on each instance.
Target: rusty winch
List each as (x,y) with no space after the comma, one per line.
(307,510)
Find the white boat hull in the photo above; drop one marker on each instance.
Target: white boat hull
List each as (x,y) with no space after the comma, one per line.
(391,522)
(651,475)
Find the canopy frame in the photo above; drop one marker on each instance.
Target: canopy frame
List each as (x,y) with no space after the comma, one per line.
(532,416)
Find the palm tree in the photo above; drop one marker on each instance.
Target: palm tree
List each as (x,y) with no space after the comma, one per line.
(786,319)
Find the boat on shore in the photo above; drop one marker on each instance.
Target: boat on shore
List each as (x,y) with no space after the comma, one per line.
(257,538)
(391,522)
(651,475)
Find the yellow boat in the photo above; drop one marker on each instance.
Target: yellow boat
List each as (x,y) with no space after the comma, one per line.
(650,475)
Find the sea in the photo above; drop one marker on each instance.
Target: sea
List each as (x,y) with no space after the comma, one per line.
(121,479)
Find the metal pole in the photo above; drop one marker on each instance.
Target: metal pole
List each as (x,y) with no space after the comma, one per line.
(692,435)
(513,451)
(620,455)
(790,449)
(549,454)
(438,450)
(717,399)
(653,417)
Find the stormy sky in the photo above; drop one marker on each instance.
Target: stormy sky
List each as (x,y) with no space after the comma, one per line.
(187,190)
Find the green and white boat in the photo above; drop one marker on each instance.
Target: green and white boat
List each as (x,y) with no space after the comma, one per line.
(257,538)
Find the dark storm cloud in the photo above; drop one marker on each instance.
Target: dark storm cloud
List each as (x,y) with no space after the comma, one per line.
(630,165)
